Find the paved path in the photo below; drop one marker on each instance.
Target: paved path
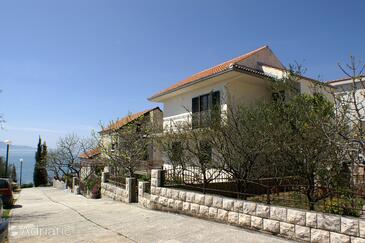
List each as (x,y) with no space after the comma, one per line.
(52,215)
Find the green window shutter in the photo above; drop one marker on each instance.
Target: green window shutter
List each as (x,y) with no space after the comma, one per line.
(195,110)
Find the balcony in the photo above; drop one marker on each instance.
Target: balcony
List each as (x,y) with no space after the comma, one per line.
(204,119)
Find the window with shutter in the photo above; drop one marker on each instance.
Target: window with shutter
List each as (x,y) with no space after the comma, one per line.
(216,108)
(206,110)
(195,111)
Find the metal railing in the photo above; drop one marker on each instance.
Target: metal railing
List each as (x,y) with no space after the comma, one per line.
(119,181)
(283,191)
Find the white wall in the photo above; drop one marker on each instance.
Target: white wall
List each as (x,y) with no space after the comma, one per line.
(236,89)
(178,108)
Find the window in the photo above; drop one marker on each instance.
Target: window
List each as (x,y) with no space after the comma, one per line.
(206,110)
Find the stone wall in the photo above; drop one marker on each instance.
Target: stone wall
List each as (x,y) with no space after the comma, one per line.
(59,184)
(114,192)
(144,196)
(127,194)
(286,222)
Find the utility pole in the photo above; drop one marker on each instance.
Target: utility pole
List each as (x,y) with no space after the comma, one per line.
(7,142)
(21,168)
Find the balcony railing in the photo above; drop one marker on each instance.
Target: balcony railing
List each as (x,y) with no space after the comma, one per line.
(205,118)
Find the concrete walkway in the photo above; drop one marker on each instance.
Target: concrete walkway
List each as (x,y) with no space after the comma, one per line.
(52,215)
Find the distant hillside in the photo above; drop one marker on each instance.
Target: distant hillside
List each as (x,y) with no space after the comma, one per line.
(16,147)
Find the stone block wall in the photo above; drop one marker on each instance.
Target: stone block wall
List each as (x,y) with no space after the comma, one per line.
(114,192)
(143,195)
(290,223)
(127,194)
(59,184)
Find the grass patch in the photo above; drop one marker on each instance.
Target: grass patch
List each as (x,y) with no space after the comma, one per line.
(6,213)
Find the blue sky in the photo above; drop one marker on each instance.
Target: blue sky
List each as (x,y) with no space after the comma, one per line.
(66,65)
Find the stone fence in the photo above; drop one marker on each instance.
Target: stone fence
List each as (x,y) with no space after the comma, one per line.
(75,187)
(144,195)
(59,184)
(290,223)
(127,195)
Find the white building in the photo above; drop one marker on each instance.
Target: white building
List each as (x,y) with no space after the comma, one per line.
(244,79)
(350,94)
(349,89)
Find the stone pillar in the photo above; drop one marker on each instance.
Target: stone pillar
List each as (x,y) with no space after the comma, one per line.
(156,177)
(73,183)
(75,187)
(76,190)
(131,187)
(106,169)
(104,176)
(141,189)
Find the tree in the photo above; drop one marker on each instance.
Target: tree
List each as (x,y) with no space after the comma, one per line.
(55,165)
(312,146)
(44,154)
(190,152)
(13,175)
(240,143)
(38,153)
(173,143)
(350,110)
(11,172)
(126,148)
(65,159)
(2,166)
(40,176)
(199,153)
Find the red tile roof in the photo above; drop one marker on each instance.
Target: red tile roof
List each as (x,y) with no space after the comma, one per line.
(125,120)
(208,72)
(89,154)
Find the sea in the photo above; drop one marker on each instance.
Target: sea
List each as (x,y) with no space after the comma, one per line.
(28,156)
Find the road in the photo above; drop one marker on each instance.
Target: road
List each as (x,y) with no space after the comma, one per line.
(51,215)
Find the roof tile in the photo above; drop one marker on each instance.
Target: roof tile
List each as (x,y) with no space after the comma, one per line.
(208,72)
(127,119)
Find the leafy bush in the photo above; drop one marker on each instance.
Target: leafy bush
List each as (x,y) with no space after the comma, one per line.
(344,206)
(40,176)
(144,178)
(96,191)
(68,179)
(27,185)
(93,185)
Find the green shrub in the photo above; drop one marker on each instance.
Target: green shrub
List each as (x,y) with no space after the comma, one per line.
(344,206)
(91,182)
(68,179)
(144,178)
(27,185)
